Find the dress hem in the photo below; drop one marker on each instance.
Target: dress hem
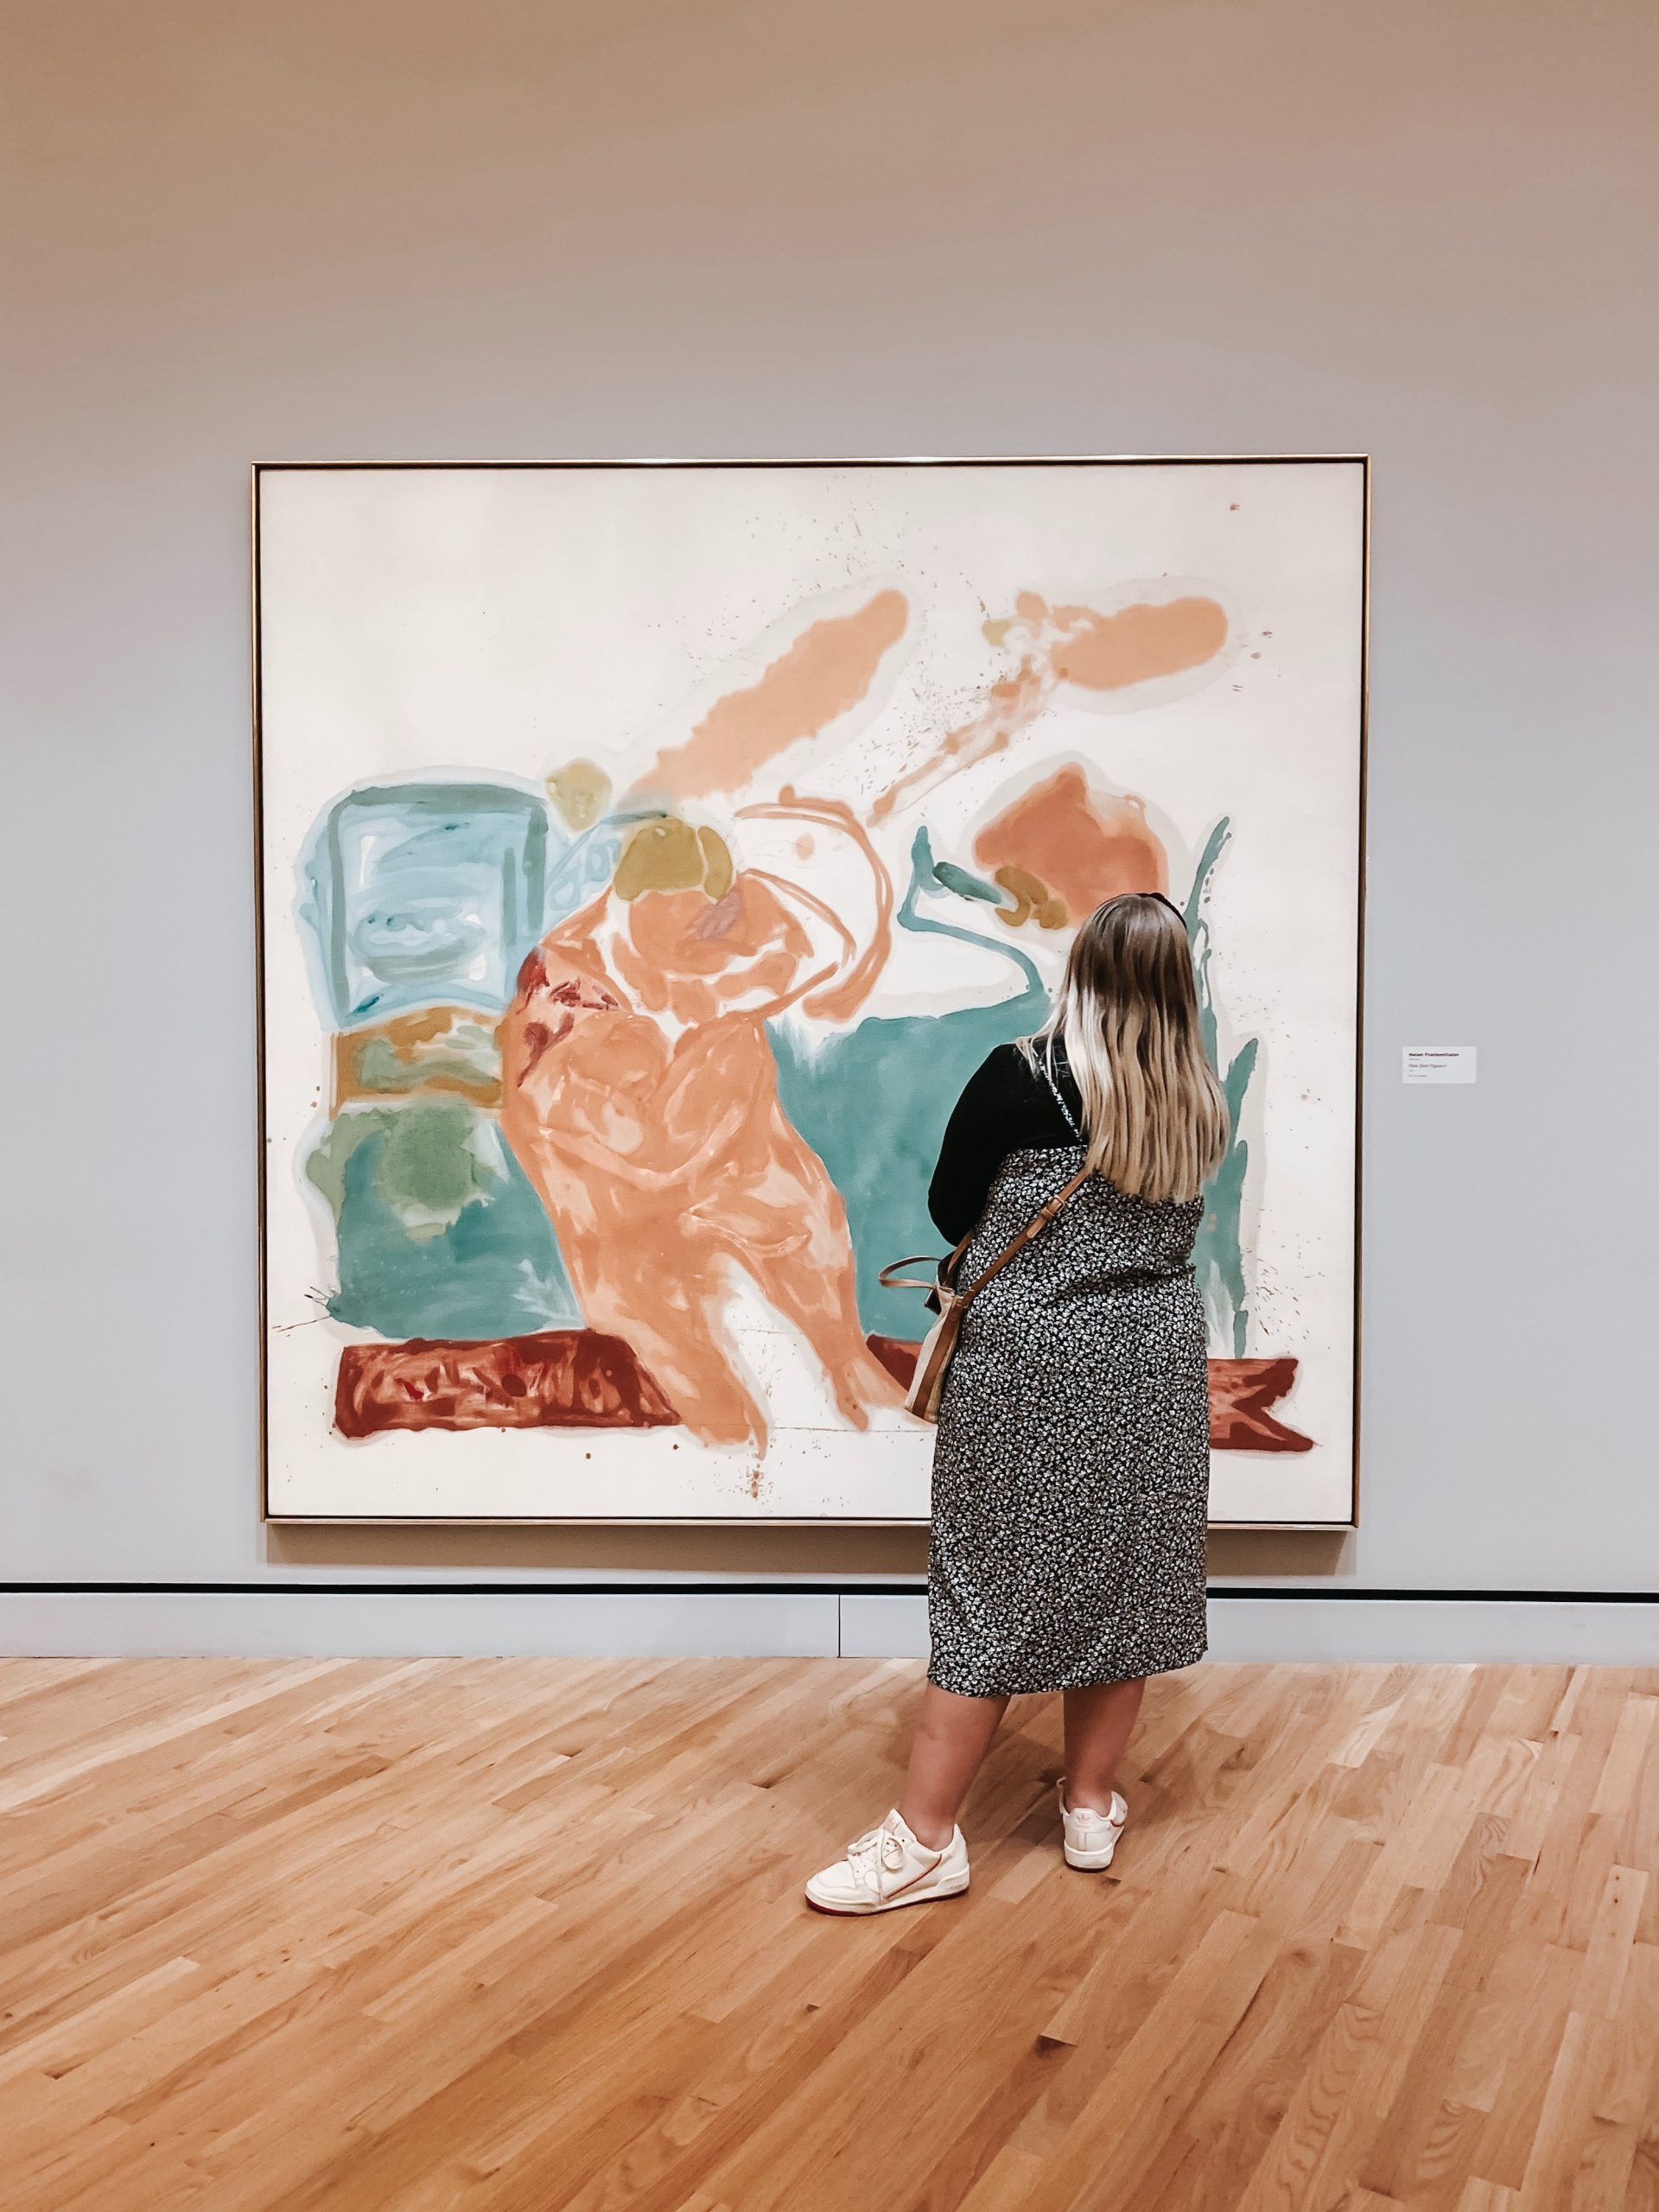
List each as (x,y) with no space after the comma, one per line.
(1093,1680)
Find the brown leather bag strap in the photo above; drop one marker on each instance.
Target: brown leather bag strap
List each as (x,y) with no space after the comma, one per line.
(1032,1228)
(891,1281)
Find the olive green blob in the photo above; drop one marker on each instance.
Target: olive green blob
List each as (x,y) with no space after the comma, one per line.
(429,1165)
(663,855)
(716,862)
(580,790)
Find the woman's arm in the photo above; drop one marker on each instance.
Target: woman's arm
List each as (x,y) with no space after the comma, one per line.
(976,1141)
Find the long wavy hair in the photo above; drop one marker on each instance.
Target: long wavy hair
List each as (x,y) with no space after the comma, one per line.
(1154,1116)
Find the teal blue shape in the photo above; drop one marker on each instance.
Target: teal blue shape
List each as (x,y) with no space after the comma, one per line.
(970,887)
(1218,1252)
(494,1271)
(418,893)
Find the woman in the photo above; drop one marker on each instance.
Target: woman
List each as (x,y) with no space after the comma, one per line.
(1071,1475)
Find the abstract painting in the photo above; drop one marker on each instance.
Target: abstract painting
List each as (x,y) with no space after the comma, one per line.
(648,854)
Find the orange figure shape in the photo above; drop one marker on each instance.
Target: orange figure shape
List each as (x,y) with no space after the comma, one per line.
(640,1098)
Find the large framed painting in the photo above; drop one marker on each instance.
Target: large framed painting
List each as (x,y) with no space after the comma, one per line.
(649,852)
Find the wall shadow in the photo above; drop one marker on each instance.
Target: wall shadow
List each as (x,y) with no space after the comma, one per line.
(1280,1554)
(745,1553)
(604,1552)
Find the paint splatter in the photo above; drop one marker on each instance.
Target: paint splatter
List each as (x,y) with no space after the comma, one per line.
(1140,643)
(826,672)
(1011,704)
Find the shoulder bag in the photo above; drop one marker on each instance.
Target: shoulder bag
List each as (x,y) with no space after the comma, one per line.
(951,1303)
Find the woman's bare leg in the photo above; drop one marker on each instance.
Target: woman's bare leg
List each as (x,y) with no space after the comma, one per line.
(953,1737)
(1099,1724)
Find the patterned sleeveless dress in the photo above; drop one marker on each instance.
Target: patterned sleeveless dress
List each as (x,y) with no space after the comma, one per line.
(1072,1467)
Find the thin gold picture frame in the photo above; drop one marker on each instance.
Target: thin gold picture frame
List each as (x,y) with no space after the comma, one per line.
(261,469)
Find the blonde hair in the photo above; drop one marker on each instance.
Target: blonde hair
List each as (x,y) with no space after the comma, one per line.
(1155,1116)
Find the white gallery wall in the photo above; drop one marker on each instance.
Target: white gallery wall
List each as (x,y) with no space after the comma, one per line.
(523,229)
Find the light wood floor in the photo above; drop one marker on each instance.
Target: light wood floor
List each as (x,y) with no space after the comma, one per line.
(528,1934)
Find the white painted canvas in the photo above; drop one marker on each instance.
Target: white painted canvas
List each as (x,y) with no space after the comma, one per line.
(649,853)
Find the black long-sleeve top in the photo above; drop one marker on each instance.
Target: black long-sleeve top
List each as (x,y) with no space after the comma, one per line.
(1007,1106)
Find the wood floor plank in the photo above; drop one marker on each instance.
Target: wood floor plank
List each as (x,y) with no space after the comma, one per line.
(441,1936)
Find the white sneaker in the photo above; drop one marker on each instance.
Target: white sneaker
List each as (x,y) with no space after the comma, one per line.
(1091,1837)
(886,1867)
